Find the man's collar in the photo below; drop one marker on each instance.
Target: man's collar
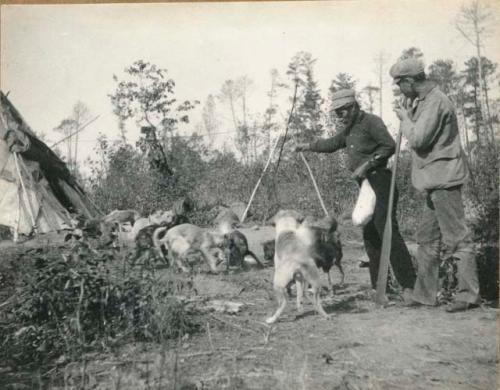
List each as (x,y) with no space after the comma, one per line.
(427,86)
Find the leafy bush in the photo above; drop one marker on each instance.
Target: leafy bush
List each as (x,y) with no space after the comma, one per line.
(87,297)
(483,193)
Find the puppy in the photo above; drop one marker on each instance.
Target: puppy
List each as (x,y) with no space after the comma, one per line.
(182,241)
(294,261)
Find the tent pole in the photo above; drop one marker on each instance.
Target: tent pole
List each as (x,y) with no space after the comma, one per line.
(30,206)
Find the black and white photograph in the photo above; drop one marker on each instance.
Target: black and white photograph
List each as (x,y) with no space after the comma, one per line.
(289,195)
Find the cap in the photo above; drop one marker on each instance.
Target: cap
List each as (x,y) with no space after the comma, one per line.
(408,67)
(343,97)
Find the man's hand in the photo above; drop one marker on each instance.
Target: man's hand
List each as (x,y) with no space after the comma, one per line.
(400,111)
(301,147)
(360,172)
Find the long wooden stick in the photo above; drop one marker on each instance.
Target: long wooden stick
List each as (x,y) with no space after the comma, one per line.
(75,132)
(271,154)
(385,255)
(315,184)
(260,178)
(28,200)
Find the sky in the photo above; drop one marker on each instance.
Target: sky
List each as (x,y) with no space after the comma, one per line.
(55,55)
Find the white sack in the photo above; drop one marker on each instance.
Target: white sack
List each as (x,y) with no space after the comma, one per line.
(365,205)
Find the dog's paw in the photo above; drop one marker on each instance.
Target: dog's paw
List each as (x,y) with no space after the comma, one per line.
(327,317)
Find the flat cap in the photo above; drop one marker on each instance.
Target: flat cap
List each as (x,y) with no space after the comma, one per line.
(408,67)
(343,97)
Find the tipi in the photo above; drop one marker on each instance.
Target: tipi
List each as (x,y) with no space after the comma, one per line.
(37,191)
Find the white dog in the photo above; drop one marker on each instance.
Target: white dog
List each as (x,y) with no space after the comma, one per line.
(184,240)
(293,261)
(157,218)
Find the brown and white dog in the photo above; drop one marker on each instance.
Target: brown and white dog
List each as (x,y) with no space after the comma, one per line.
(327,247)
(185,240)
(294,261)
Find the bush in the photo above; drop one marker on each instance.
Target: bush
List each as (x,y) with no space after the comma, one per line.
(483,194)
(87,297)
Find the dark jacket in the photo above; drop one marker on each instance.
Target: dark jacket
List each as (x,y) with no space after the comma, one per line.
(367,137)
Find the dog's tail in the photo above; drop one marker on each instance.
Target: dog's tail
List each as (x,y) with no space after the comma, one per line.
(311,274)
(158,234)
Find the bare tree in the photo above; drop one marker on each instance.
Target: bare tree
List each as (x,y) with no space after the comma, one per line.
(474,22)
(210,121)
(235,92)
(81,114)
(380,62)
(370,90)
(230,93)
(70,128)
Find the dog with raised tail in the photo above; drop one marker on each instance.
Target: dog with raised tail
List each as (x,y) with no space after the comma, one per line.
(294,261)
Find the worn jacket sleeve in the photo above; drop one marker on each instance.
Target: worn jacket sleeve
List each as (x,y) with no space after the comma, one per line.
(329,145)
(386,145)
(422,132)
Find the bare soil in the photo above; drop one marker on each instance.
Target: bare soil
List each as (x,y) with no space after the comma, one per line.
(360,347)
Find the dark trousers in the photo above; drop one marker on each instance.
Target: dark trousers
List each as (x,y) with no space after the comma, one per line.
(380,180)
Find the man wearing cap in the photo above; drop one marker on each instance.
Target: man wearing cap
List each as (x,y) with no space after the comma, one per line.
(369,145)
(439,169)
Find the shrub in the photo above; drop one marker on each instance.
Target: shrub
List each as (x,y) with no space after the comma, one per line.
(87,297)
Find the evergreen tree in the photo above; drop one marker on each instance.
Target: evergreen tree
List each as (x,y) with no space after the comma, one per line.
(306,121)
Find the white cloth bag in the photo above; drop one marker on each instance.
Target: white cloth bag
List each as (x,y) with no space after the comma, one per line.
(365,205)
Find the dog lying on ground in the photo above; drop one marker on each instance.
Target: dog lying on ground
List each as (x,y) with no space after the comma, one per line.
(182,241)
(294,261)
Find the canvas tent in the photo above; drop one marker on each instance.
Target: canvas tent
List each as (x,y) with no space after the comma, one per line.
(37,191)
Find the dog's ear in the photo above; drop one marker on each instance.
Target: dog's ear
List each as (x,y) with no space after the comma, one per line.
(298,216)
(272,221)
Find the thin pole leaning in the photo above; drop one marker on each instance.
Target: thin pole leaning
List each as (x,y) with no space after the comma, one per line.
(260,178)
(272,152)
(315,184)
(28,200)
(75,132)
(385,253)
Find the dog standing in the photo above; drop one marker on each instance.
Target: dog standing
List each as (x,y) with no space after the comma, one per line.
(182,241)
(327,248)
(294,261)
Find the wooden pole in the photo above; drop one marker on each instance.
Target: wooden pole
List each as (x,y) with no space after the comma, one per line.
(385,255)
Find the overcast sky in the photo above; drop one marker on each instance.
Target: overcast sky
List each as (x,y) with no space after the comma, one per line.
(54,55)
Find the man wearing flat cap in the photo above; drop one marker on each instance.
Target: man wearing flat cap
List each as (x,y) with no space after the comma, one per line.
(369,145)
(439,169)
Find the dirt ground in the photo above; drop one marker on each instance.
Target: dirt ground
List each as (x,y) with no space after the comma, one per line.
(360,347)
